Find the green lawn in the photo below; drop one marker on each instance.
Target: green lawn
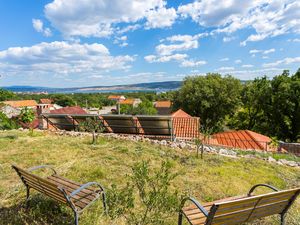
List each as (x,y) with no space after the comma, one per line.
(109,161)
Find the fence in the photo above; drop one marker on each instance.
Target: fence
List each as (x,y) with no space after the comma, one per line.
(162,127)
(293,148)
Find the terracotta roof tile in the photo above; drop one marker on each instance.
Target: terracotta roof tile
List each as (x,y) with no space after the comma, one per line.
(21,103)
(69,110)
(163,104)
(243,139)
(181,113)
(46,101)
(128,101)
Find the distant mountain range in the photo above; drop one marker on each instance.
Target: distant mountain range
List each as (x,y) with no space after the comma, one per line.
(154,86)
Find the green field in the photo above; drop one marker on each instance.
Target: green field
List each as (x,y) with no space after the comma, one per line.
(110,160)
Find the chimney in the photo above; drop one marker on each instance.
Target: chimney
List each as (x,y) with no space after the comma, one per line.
(42,108)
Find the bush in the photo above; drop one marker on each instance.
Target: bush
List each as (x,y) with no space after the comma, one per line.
(155,202)
(6,123)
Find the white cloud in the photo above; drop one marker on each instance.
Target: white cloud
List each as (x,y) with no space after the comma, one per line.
(177,43)
(284,61)
(224,59)
(268,18)
(238,61)
(57,58)
(224,68)
(294,40)
(265,52)
(99,18)
(269,51)
(192,63)
(247,66)
(38,25)
(251,74)
(121,41)
(165,58)
(161,17)
(228,39)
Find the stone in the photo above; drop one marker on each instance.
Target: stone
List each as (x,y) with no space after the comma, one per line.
(223,151)
(182,145)
(288,163)
(163,142)
(271,159)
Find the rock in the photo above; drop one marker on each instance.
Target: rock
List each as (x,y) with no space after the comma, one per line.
(174,145)
(227,152)
(288,163)
(271,159)
(163,142)
(182,145)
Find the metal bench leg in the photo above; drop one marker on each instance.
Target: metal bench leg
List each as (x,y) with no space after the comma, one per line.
(180,218)
(27,197)
(76,217)
(282,219)
(104,202)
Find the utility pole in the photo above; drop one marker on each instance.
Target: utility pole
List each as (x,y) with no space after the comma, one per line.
(86,105)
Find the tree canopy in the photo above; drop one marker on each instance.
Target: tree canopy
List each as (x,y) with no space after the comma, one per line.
(211,97)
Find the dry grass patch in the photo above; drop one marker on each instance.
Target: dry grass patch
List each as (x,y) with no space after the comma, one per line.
(110,161)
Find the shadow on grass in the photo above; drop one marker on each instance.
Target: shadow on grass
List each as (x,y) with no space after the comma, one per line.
(40,211)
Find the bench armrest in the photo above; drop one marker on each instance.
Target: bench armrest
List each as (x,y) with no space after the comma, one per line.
(262,185)
(85,186)
(199,206)
(41,167)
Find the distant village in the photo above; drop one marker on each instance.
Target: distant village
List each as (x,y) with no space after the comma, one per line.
(185,126)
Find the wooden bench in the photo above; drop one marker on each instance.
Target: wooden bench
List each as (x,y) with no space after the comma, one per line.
(239,210)
(77,196)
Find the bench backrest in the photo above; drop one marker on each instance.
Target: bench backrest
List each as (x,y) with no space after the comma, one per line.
(156,125)
(250,208)
(40,184)
(121,123)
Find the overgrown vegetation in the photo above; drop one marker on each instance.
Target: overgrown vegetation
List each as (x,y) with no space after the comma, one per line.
(118,164)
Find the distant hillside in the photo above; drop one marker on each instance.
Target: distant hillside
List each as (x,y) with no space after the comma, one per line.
(154,86)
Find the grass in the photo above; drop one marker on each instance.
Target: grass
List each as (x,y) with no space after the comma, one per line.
(110,160)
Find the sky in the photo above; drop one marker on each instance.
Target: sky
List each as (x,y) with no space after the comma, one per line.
(76,43)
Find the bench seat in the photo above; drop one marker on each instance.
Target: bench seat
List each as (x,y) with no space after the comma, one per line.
(76,195)
(241,209)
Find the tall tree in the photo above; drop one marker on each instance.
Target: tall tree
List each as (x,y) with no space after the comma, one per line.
(6,95)
(211,97)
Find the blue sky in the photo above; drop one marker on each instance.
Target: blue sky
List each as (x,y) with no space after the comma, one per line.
(67,43)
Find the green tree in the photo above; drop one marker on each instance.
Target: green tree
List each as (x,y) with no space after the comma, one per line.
(255,96)
(6,95)
(93,125)
(27,115)
(211,97)
(63,100)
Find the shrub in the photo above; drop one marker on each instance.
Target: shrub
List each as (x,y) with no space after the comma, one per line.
(155,202)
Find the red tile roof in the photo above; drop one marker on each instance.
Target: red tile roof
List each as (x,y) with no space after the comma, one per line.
(181,113)
(21,103)
(69,110)
(128,101)
(185,126)
(46,101)
(163,104)
(243,139)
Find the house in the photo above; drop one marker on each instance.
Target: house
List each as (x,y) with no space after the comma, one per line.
(163,107)
(74,110)
(243,139)
(116,97)
(10,111)
(19,104)
(46,101)
(185,126)
(131,101)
